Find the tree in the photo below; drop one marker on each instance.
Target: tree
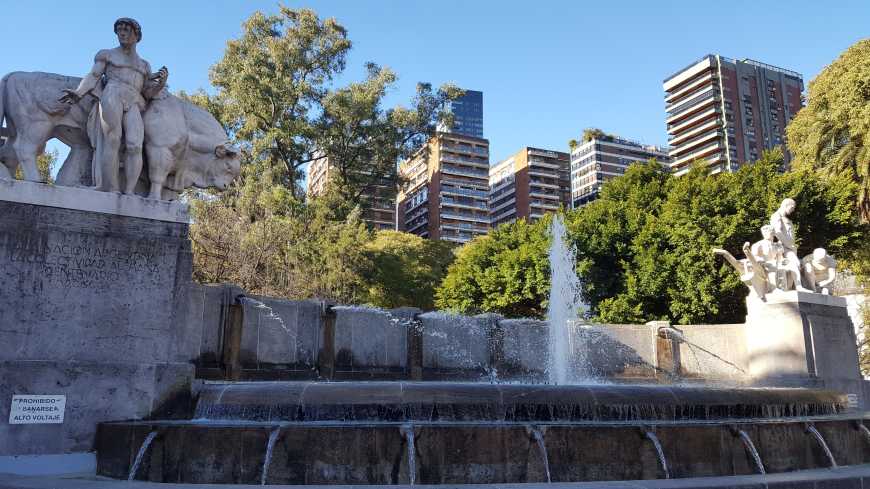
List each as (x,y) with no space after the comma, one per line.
(271,83)
(45,164)
(644,247)
(505,272)
(363,142)
(405,269)
(832,133)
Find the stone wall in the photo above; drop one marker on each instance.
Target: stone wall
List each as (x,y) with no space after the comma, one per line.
(90,303)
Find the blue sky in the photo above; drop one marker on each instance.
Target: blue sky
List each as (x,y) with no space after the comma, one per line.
(548,69)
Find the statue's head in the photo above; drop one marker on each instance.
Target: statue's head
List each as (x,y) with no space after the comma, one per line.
(788,206)
(767,231)
(819,254)
(128,30)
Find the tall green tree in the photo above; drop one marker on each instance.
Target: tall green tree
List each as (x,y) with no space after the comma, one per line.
(271,83)
(832,133)
(405,269)
(505,272)
(364,141)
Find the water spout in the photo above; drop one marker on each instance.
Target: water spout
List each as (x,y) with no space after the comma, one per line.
(140,455)
(542,447)
(661,453)
(864,430)
(747,442)
(565,307)
(811,428)
(270,445)
(408,431)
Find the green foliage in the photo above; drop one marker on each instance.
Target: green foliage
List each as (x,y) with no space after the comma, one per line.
(405,269)
(505,272)
(364,142)
(45,164)
(832,133)
(272,80)
(644,247)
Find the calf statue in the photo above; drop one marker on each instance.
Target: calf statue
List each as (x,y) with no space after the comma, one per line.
(109,117)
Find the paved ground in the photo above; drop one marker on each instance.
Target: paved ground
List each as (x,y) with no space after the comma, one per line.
(853,477)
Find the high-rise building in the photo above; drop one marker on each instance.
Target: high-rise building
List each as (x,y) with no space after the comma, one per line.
(467,113)
(604,157)
(725,112)
(445,190)
(529,184)
(380,200)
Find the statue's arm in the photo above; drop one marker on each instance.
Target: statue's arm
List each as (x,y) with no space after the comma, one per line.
(89,82)
(832,275)
(155,82)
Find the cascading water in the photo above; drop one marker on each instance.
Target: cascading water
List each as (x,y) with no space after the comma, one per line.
(747,442)
(812,429)
(542,447)
(140,455)
(564,310)
(661,453)
(270,445)
(408,431)
(865,431)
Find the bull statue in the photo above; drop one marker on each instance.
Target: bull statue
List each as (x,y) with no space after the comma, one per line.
(184,145)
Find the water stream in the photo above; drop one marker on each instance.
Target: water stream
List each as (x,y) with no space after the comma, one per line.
(408,431)
(270,314)
(140,455)
(270,445)
(661,453)
(812,429)
(747,442)
(542,447)
(864,430)
(565,308)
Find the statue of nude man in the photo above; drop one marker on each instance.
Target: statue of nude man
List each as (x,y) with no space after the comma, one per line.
(784,231)
(128,82)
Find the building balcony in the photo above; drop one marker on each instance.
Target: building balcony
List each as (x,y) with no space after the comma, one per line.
(694,143)
(711,113)
(690,108)
(685,91)
(548,196)
(512,212)
(544,185)
(543,173)
(464,205)
(415,227)
(480,194)
(698,154)
(712,124)
(466,216)
(484,165)
(468,172)
(497,208)
(534,162)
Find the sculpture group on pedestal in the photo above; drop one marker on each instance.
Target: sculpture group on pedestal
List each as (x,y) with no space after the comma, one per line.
(117,112)
(772,263)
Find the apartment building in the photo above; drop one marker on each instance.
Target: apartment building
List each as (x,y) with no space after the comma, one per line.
(725,112)
(446,189)
(467,113)
(528,184)
(605,157)
(380,201)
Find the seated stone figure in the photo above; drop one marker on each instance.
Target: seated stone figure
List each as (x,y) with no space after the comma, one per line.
(820,270)
(760,269)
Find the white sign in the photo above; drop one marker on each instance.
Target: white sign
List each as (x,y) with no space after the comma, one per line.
(852,401)
(28,409)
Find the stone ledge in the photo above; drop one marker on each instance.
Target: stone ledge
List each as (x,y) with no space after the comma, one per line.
(84,199)
(793,296)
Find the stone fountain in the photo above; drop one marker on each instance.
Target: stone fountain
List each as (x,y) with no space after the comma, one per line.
(116,366)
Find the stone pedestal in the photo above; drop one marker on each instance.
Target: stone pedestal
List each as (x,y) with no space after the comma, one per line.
(800,338)
(91,285)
